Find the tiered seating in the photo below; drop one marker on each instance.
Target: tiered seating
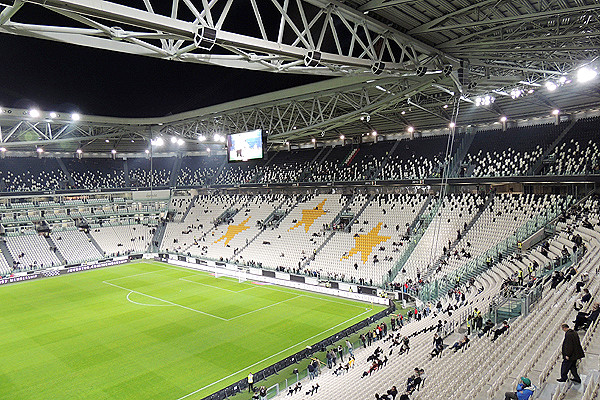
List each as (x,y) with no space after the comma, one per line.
(179,236)
(123,239)
(4,267)
(286,166)
(31,174)
(418,158)
(375,241)
(96,173)
(197,171)
(31,251)
(456,211)
(332,168)
(510,153)
(223,241)
(298,236)
(579,151)
(75,246)
(504,215)
(140,173)
(240,172)
(179,206)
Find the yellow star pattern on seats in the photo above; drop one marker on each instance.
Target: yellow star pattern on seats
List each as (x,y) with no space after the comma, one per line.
(233,230)
(365,243)
(310,216)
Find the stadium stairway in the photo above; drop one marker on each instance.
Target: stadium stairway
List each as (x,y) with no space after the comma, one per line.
(126,173)
(537,166)
(461,153)
(64,169)
(385,160)
(6,253)
(51,243)
(96,245)
(187,210)
(485,205)
(175,171)
(159,233)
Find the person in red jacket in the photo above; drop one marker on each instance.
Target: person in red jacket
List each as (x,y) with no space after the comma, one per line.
(571,352)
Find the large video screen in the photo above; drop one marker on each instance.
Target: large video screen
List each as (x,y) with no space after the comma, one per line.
(245,146)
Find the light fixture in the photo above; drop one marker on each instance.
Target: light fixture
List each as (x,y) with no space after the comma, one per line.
(445,105)
(75,117)
(202,138)
(173,139)
(208,149)
(3,149)
(556,111)
(147,151)
(180,142)
(216,137)
(79,151)
(403,112)
(516,93)
(113,151)
(34,113)
(107,141)
(451,125)
(342,137)
(485,100)
(410,129)
(40,150)
(53,114)
(503,118)
(551,86)
(585,74)
(313,140)
(157,142)
(374,133)
(562,80)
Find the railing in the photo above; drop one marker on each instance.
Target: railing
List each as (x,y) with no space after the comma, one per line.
(431,291)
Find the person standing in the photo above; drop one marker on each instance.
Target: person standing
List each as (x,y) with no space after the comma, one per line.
(571,352)
(250,382)
(350,349)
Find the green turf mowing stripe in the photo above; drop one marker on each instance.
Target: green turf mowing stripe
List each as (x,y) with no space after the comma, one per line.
(150,330)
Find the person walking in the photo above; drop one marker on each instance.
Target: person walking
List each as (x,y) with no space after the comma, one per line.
(349,347)
(571,352)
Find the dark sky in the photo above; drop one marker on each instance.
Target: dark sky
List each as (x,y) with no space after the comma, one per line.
(63,77)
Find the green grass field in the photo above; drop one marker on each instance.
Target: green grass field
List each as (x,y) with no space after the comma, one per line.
(149,330)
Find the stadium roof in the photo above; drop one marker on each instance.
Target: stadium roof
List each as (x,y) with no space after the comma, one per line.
(398,63)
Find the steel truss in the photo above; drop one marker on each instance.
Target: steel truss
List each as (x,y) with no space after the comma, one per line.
(301,36)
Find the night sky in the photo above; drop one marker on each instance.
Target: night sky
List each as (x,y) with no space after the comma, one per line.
(65,78)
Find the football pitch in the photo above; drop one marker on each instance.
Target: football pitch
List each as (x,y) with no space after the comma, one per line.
(150,330)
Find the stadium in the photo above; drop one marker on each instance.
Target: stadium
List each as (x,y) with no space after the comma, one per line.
(324,199)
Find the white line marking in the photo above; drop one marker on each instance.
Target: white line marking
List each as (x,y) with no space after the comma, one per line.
(271,356)
(262,308)
(130,276)
(148,305)
(312,297)
(166,301)
(216,287)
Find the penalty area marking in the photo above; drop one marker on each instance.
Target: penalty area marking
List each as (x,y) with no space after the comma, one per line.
(215,287)
(271,356)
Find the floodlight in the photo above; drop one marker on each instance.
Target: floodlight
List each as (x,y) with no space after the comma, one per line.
(34,113)
(53,114)
(503,118)
(202,138)
(451,124)
(113,151)
(374,133)
(445,105)
(208,149)
(551,86)
(410,129)
(217,137)
(342,137)
(107,141)
(562,80)
(147,151)
(556,111)
(75,117)
(157,142)
(173,139)
(403,112)
(79,151)
(586,74)
(313,140)
(180,142)
(40,150)
(3,149)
